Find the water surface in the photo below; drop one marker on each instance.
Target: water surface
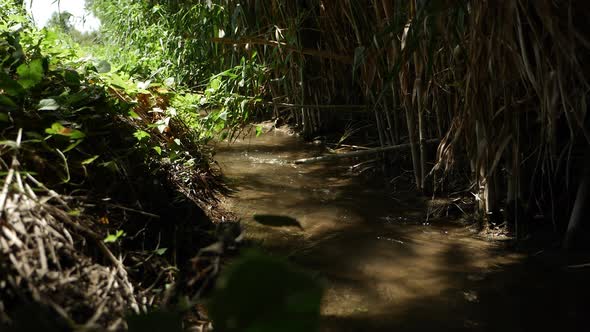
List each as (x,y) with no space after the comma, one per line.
(384,267)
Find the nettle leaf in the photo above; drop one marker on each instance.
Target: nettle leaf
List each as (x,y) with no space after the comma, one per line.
(58,129)
(30,74)
(48,105)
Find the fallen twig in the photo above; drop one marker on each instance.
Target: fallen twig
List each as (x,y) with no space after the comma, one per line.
(360,153)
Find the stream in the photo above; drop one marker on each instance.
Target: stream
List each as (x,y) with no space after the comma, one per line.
(384,267)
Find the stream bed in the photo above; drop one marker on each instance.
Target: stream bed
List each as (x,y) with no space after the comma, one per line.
(384,267)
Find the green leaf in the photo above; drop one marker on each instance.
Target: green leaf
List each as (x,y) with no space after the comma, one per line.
(111,166)
(73,145)
(258,131)
(163,124)
(58,129)
(72,77)
(223,115)
(30,74)
(78,98)
(10,86)
(243,105)
(48,105)
(118,82)
(158,150)
(4,100)
(215,84)
(265,294)
(103,67)
(90,160)
(141,135)
(169,82)
(143,86)
(111,238)
(134,115)
(160,251)
(75,213)
(9,144)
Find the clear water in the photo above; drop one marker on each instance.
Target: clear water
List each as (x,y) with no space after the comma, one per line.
(383,267)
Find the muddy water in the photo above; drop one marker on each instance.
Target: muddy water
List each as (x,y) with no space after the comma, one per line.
(383,267)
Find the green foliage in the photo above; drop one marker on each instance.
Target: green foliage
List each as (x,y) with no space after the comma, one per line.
(30,74)
(84,116)
(67,100)
(170,42)
(161,40)
(261,293)
(61,21)
(112,238)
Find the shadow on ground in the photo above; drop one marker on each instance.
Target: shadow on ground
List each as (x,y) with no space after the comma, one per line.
(382,268)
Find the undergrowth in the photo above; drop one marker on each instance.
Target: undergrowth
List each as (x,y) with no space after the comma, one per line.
(215,90)
(109,193)
(112,155)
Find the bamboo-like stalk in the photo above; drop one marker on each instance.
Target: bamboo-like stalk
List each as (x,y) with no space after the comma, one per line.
(421,132)
(469,64)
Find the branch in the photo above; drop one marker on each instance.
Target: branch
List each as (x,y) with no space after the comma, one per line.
(360,153)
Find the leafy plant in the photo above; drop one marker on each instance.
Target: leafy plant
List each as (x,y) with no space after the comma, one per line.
(264,294)
(112,238)
(174,43)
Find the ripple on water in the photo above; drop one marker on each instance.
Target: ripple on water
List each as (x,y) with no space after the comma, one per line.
(381,266)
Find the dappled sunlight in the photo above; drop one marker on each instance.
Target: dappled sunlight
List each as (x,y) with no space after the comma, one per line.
(294,166)
(377,258)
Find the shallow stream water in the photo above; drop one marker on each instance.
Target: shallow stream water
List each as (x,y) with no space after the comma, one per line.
(384,267)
